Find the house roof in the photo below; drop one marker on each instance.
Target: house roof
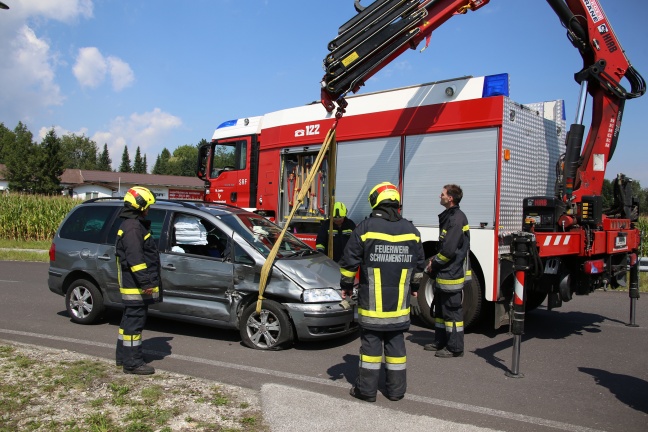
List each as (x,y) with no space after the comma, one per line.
(77,176)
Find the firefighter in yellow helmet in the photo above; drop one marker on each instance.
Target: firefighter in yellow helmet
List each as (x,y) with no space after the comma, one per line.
(387,251)
(342,229)
(138,270)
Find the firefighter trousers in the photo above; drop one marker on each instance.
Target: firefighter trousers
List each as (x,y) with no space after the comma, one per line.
(448,321)
(129,342)
(371,358)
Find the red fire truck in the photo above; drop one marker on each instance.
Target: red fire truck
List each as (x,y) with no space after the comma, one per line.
(521,171)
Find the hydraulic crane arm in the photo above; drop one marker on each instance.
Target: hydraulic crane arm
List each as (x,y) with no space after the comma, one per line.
(379,33)
(385,29)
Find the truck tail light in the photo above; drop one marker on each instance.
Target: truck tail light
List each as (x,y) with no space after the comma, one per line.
(633,259)
(594,267)
(52,252)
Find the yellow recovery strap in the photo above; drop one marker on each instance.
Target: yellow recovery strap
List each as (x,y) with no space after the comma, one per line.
(329,142)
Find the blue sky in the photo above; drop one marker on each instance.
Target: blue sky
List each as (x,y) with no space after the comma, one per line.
(162,73)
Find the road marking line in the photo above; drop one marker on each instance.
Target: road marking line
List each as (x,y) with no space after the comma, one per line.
(305,378)
(10,281)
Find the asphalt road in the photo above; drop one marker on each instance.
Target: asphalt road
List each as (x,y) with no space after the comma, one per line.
(584,369)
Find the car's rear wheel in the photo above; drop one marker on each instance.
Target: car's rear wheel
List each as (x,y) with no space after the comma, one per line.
(84,302)
(269,330)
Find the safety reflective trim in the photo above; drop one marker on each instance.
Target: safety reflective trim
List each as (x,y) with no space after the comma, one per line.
(396,360)
(120,233)
(372,366)
(390,238)
(439,323)
(370,359)
(347,231)
(465,228)
(444,232)
(381,314)
(147,236)
(132,343)
(138,267)
(383,321)
(347,273)
(136,291)
(450,325)
(395,367)
(377,288)
(401,288)
(120,336)
(443,258)
(134,337)
(319,246)
(468,272)
(451,281)
(119,273)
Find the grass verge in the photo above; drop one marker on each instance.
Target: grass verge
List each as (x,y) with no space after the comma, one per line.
(50,390)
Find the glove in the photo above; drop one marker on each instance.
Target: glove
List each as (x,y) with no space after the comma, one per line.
(415,309)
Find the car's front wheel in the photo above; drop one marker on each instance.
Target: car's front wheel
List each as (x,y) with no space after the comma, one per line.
(84,302)
(268,330)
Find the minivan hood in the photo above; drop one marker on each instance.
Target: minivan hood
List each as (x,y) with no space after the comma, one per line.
(314,271)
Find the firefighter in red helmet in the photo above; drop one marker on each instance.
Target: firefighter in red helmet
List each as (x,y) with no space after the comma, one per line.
(138,270)
(387,251)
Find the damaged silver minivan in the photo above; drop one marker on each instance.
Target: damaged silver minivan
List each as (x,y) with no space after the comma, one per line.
(211,257)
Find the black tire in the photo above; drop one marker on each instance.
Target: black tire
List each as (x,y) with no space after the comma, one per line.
(270,330)
(534,299)
(84,302)
(471,303)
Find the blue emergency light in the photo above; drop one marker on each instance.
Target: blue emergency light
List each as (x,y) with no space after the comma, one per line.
(496,85)
(228,123)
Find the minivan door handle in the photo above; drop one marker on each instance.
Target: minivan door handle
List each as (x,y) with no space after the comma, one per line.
(169,267)
(104,257)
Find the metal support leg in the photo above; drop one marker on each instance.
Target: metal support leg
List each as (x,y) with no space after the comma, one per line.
(634,294)
(522,248)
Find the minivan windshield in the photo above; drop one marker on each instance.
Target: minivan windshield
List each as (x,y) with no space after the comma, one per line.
(263,234)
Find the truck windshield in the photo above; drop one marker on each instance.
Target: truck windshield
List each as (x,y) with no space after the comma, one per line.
(228,156)
(263,234)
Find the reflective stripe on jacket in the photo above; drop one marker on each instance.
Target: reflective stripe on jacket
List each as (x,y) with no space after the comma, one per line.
(138,262)
(452,262)
(391,261)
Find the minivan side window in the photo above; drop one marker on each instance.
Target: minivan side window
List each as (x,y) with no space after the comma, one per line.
(156,217)
(197,236)
(87,223)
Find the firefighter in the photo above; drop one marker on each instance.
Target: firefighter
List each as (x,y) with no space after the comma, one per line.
(388,251)
(342,229)
(138,271)
(450,269)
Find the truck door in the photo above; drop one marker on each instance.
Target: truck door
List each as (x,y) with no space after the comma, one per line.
(230,173)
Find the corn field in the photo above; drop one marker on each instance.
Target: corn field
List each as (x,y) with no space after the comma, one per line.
(32,217)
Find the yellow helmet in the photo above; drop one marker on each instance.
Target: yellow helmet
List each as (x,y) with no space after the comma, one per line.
(383,191)
(339,210)
(139,198)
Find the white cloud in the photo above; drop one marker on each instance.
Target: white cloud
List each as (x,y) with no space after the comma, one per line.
(27,75)
(91,68)
(60,131)
(146,131)
(27,62)
(121,73)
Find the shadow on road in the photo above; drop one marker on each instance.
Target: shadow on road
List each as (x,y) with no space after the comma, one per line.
(629,390)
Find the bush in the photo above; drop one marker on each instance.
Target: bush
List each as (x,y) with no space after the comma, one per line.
(32,217)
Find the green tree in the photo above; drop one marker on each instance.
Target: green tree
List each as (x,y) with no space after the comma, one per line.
(104,163)
(51,164)
(21,160)
(161,166)
(183,161)
(145,164)
(79,152)
(7,138)
(125,162)
(138,164)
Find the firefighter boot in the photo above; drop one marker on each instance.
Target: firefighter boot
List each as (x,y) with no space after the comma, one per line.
(142,369)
